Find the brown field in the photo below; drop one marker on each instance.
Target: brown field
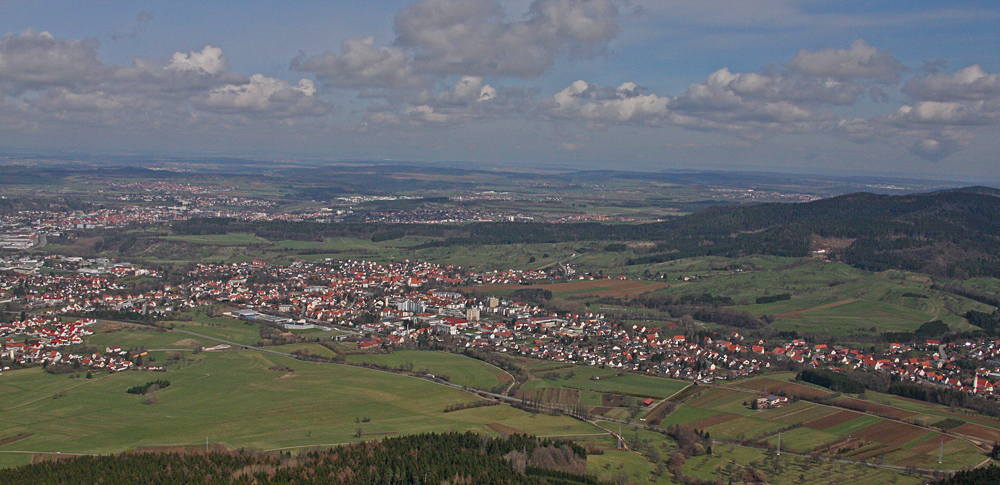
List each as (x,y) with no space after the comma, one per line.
(683,393)
(602,410)
(978,431)
(987,421)
(714,420)
(769,385)
(598,288)
(503,429)
(891,433)
(803,414)
(658,408)
(871,407)
(612,400)
(551,395)
(932,445)
(17,437)
(839,417)
(864,454)
(503,377)
(713,395)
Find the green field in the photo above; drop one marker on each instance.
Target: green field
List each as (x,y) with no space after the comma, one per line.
(235,399)
(610,381)
(223,328)
(235,239)
(459,369)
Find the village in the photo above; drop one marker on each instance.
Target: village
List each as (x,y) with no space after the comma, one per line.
(152,203)
(405,304)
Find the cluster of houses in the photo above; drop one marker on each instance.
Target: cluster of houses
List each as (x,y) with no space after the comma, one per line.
(84,292)
(403,302)
(26,226)
(42,339)
(438,216)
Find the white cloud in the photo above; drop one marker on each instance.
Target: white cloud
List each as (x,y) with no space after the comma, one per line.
(36,60)
(935,112)
(425,113)
(59,79)
(262,94)
(860,60)
(970,83)
(436,39)
(362,65)
(210,60)
(626,104)
(472,36)
(935,149)
(468,89)
(62,99)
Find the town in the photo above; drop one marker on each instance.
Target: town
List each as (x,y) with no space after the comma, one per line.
(409,304)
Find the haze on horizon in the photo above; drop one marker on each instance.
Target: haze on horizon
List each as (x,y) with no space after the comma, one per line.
(838,87)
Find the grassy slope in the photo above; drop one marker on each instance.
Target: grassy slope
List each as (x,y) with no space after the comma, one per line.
(656,387)
(459,368)
(233,398)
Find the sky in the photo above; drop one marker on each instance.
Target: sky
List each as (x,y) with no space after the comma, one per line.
(829,87)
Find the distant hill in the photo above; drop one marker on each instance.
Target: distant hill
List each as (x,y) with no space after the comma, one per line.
(978,189)
(953,233)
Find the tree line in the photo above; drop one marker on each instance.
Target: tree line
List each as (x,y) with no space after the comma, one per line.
(417,459)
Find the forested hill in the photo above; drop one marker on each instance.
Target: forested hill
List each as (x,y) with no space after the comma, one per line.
(418,459)
(953,233)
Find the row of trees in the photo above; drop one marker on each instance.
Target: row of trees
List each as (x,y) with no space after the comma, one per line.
(151,386)
(832,380)
(416,459)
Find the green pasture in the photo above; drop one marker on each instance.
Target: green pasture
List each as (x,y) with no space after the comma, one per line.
(623,466)
(460,369)
(233,239)
(137,337)
(308,348)
(845,429)
(609,381)
(802,440)
(826,297)
(236,399)
(686,414)
(224,328)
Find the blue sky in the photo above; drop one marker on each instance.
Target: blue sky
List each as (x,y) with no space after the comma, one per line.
(906,88)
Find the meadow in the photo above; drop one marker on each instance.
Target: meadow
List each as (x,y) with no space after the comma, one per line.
(459,369)
(242,399)
(604,380)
